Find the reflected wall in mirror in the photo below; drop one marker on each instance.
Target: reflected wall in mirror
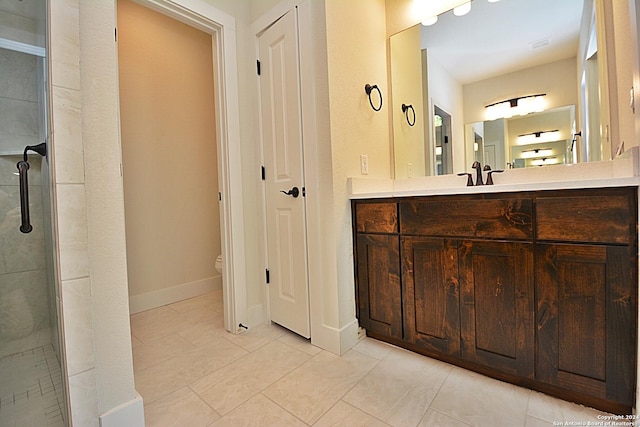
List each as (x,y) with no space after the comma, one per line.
(498,51)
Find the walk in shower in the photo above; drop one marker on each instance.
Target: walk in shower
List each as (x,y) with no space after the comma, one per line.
(32,392)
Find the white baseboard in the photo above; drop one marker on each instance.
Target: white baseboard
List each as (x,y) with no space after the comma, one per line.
(349,336)
(130,414)
(255,316)
(142,302)
(336,340)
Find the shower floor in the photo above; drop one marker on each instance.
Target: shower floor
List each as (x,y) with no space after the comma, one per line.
(31,389)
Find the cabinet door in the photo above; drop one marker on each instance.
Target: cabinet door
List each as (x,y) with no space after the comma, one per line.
(497,305)
(431,293)
(378,281)
(586,318)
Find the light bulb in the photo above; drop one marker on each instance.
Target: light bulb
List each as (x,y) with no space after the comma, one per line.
(463,9)
(429,20)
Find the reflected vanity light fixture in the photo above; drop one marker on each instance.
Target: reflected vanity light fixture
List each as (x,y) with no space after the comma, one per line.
(545,161)
(518,106)
(538,152)
(428,10)
(539,137)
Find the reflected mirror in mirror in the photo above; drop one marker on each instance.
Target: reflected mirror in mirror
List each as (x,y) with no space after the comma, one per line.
(498,51)
(538,139)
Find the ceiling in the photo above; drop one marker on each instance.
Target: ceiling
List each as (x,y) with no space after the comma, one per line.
(502,37)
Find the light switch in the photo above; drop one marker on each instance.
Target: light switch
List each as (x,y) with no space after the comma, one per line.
(364,164)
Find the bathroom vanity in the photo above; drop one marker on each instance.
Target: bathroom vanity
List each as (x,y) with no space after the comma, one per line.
(536,287)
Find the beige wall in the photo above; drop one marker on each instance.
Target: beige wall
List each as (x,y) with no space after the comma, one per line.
(169,151)
(356,55)
(399,16)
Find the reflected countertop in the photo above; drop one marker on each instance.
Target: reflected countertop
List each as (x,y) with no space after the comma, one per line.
(621,172)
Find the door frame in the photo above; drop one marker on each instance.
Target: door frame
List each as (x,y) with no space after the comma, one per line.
(221,26)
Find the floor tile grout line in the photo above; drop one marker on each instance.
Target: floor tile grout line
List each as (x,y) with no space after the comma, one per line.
(285,409)
(205,402)
(266,387)
(451,368)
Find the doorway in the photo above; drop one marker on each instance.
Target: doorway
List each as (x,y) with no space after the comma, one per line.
(169,154)
(444,152)
(32,386)
(201,15)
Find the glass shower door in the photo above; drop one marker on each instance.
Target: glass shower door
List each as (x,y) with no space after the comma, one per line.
(32,391)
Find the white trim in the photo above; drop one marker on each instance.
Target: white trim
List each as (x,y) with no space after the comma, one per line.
(149,300)
(200,14)
(130,413)
(23,47)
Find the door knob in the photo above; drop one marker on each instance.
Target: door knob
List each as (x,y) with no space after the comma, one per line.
(295,192)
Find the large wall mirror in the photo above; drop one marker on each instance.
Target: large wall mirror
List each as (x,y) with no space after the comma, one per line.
(502,53)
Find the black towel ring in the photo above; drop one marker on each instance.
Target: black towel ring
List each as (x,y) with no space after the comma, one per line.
(368,89)
(405,110)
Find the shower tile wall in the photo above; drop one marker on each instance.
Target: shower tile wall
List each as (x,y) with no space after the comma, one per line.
(24,308)
(22,21)
(18,101)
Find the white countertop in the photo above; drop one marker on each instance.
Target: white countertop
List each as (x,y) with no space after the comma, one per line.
(621,172)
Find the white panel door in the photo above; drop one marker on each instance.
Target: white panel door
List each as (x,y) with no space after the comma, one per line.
(284,177)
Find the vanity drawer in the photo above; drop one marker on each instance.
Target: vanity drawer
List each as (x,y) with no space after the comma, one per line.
(508,218)
(598,218)
(377,217)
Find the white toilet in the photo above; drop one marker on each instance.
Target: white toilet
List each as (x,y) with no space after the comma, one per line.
(219,264)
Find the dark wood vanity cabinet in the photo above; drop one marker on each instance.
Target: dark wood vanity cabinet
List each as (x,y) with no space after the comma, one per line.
(586,287)
(378,268)
(379,303)
(497,305)
(586,320)
(479,281)
(431,293)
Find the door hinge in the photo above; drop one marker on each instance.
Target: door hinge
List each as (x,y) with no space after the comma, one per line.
(219,196)
(267,275)
(258,66)
(115,34)
(263,172)
(304,192)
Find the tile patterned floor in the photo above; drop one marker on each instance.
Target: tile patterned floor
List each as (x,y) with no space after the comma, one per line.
(31,393)
(191,372)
